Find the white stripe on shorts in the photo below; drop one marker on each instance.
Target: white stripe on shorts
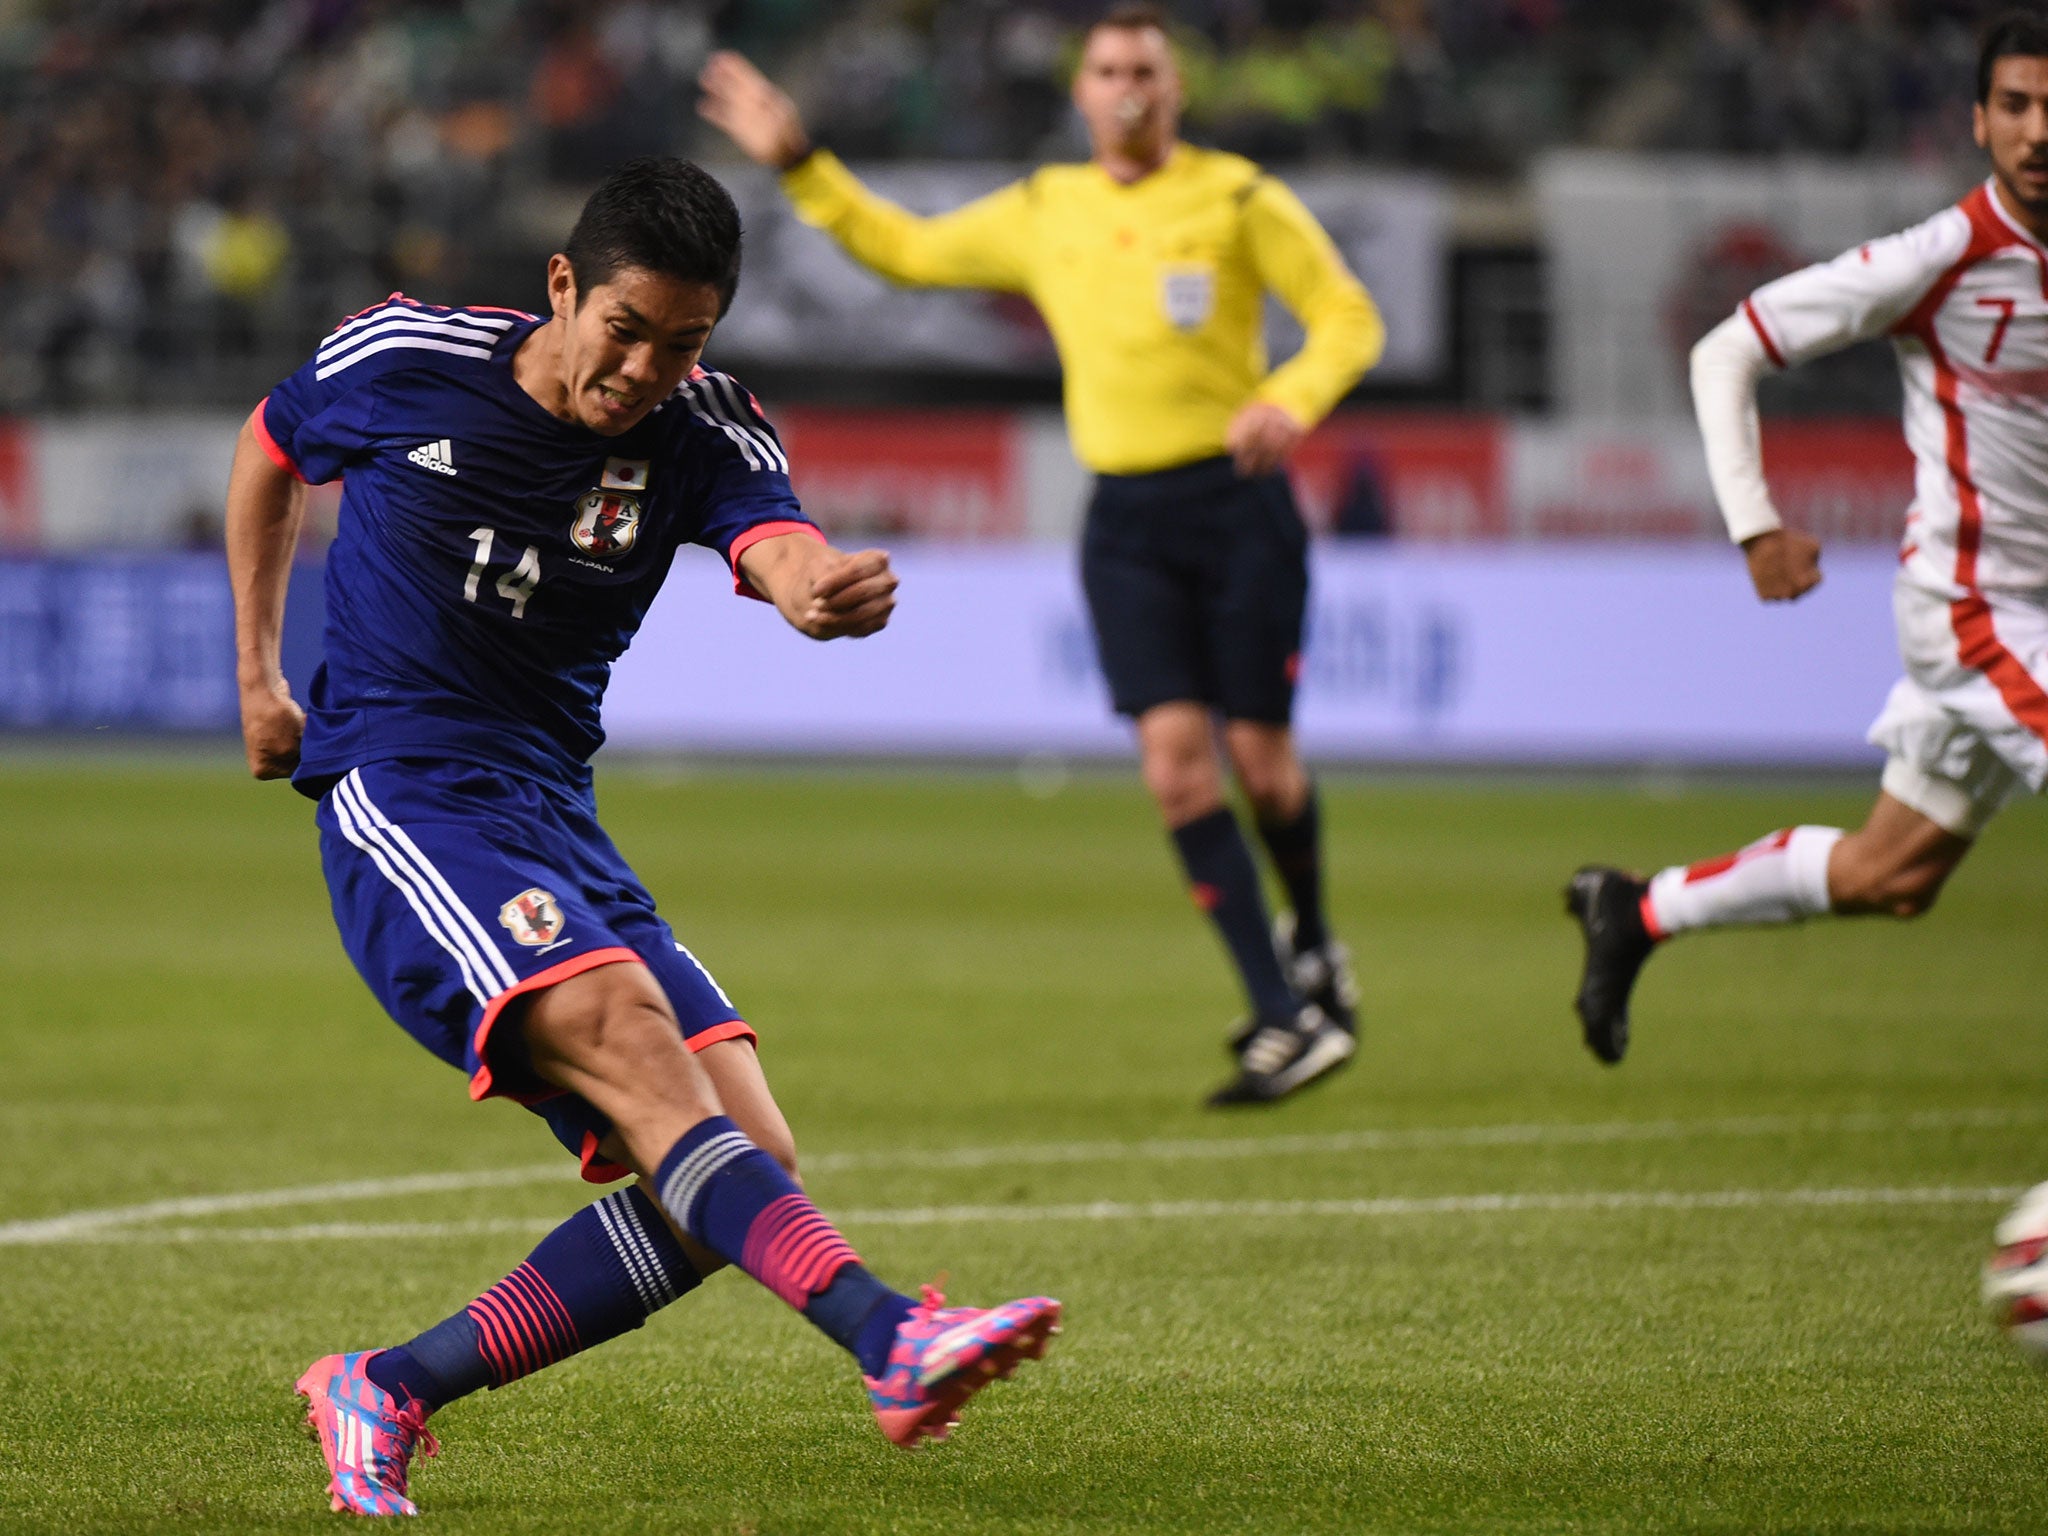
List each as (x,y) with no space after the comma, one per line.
(345,817)
(701,971)
(481,945)
(403,870)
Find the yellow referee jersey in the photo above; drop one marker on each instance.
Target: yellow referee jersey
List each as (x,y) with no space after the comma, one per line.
(1152,291)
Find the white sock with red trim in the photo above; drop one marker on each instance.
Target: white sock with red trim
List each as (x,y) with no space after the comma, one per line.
(1777,879)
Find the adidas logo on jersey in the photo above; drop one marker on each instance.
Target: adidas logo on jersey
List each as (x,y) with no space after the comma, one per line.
(434,456)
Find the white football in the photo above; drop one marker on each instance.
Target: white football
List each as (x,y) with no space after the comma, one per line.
(2016,1274)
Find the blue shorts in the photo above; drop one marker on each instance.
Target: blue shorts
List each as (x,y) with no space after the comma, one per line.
(1197,583)
(458,888)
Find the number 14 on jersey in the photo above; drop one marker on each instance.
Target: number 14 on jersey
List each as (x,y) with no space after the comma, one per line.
(516,585)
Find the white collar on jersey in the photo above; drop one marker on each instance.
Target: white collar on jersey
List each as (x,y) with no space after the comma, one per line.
(2005,218)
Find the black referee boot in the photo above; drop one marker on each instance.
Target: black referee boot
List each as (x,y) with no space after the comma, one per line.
(1285,1054)
(1321,976)
(1609,906)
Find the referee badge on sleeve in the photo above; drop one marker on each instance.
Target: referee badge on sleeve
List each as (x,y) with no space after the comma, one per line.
(1188,295)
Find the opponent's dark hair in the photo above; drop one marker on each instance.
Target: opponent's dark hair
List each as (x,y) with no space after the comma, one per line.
(662,215)
(2017,33)
(1131,16)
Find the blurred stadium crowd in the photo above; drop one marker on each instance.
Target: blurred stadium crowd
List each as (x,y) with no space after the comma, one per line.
(191,189)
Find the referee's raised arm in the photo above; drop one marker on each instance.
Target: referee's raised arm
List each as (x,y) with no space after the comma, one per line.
(979,245)
(752,111)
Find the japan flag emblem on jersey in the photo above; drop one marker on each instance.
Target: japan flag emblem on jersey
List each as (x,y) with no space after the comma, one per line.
(624,475)
(532,918)
(607,523)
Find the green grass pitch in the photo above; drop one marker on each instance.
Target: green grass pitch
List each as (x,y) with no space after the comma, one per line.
(940,964)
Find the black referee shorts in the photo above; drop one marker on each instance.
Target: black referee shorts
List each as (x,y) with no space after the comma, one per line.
(1197,580)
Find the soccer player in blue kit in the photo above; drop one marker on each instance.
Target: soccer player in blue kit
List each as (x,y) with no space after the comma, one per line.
(516,488)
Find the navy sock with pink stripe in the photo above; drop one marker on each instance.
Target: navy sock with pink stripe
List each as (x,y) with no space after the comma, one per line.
(601,1273)
(740,1203)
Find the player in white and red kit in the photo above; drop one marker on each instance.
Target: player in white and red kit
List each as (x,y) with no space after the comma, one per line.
(1964,298)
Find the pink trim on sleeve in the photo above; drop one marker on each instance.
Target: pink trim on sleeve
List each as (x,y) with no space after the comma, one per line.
(268,444)
(755,535)
(1770,347)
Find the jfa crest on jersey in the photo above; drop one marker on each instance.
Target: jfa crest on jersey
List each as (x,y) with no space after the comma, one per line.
(607,523)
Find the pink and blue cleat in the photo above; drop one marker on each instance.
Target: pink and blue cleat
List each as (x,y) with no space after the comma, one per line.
(367,1438)
(944,1355)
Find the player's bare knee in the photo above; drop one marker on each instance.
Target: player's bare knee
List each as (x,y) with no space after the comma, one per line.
(1270,774)
(1861,889)
(1274,789)
(1913,892)
(1184,785)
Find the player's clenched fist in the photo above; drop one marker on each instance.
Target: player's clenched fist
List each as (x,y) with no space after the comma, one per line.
(1782,564)
(850,595)
(824,592)
(272,724)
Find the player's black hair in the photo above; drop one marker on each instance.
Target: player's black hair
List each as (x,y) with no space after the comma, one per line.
(1132,16)
(662,215)
(2017,33)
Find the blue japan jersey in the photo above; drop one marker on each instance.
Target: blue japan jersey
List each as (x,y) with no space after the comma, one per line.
(492,561)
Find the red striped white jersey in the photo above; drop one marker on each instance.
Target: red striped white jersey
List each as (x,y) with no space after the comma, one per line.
(1964,298)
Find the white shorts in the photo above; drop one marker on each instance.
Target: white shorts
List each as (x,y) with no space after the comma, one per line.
(1966,729)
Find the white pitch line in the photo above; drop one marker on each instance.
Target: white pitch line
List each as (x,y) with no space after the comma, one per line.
(1156,1210)
(58,1229)
(73,1225)
(1421,1138)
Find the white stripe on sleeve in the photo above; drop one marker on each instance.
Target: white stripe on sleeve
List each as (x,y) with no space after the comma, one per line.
(417,343)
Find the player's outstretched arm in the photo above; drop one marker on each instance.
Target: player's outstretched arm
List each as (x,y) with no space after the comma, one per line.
(824,592)
(264,508)
(752,111)
(982,245)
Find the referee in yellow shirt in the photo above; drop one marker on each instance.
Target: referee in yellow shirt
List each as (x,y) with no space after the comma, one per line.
(1150,264)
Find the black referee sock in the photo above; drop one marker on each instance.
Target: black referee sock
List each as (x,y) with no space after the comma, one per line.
(1225,884)
(1296,847)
